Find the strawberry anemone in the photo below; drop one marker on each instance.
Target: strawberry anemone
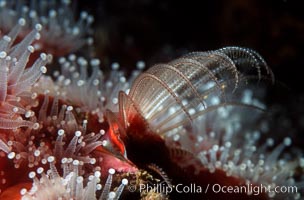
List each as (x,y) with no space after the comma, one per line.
(45,139)
(63,32)
(197,120)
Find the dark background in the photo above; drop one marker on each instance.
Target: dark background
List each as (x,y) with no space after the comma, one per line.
(159,30)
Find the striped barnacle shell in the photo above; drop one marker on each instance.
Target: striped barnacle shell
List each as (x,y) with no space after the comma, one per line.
(201,113)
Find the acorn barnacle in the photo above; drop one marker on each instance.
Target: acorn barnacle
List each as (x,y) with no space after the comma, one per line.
(200,120)
(194,123)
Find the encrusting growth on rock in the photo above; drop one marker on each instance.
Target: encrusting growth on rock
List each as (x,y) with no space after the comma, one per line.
(83,133)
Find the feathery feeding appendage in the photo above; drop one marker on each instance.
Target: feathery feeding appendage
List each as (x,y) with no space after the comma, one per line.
(198,119)
(204,111)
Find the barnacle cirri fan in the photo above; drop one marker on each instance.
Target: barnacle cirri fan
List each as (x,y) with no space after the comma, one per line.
(197,120)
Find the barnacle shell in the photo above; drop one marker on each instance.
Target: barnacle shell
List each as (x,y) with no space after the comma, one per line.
(197,119)
(193,113)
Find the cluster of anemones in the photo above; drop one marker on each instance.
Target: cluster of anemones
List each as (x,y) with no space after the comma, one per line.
(198,119)
(62,32)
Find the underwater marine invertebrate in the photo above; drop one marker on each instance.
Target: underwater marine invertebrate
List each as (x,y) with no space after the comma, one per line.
(74,84)
(192,109)
(50,131)
(16,80)
(70,186)
(62,33)
(199,104)
(83,133)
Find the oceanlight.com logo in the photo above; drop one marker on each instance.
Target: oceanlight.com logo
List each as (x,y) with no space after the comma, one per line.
(249,189)
(253,189)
